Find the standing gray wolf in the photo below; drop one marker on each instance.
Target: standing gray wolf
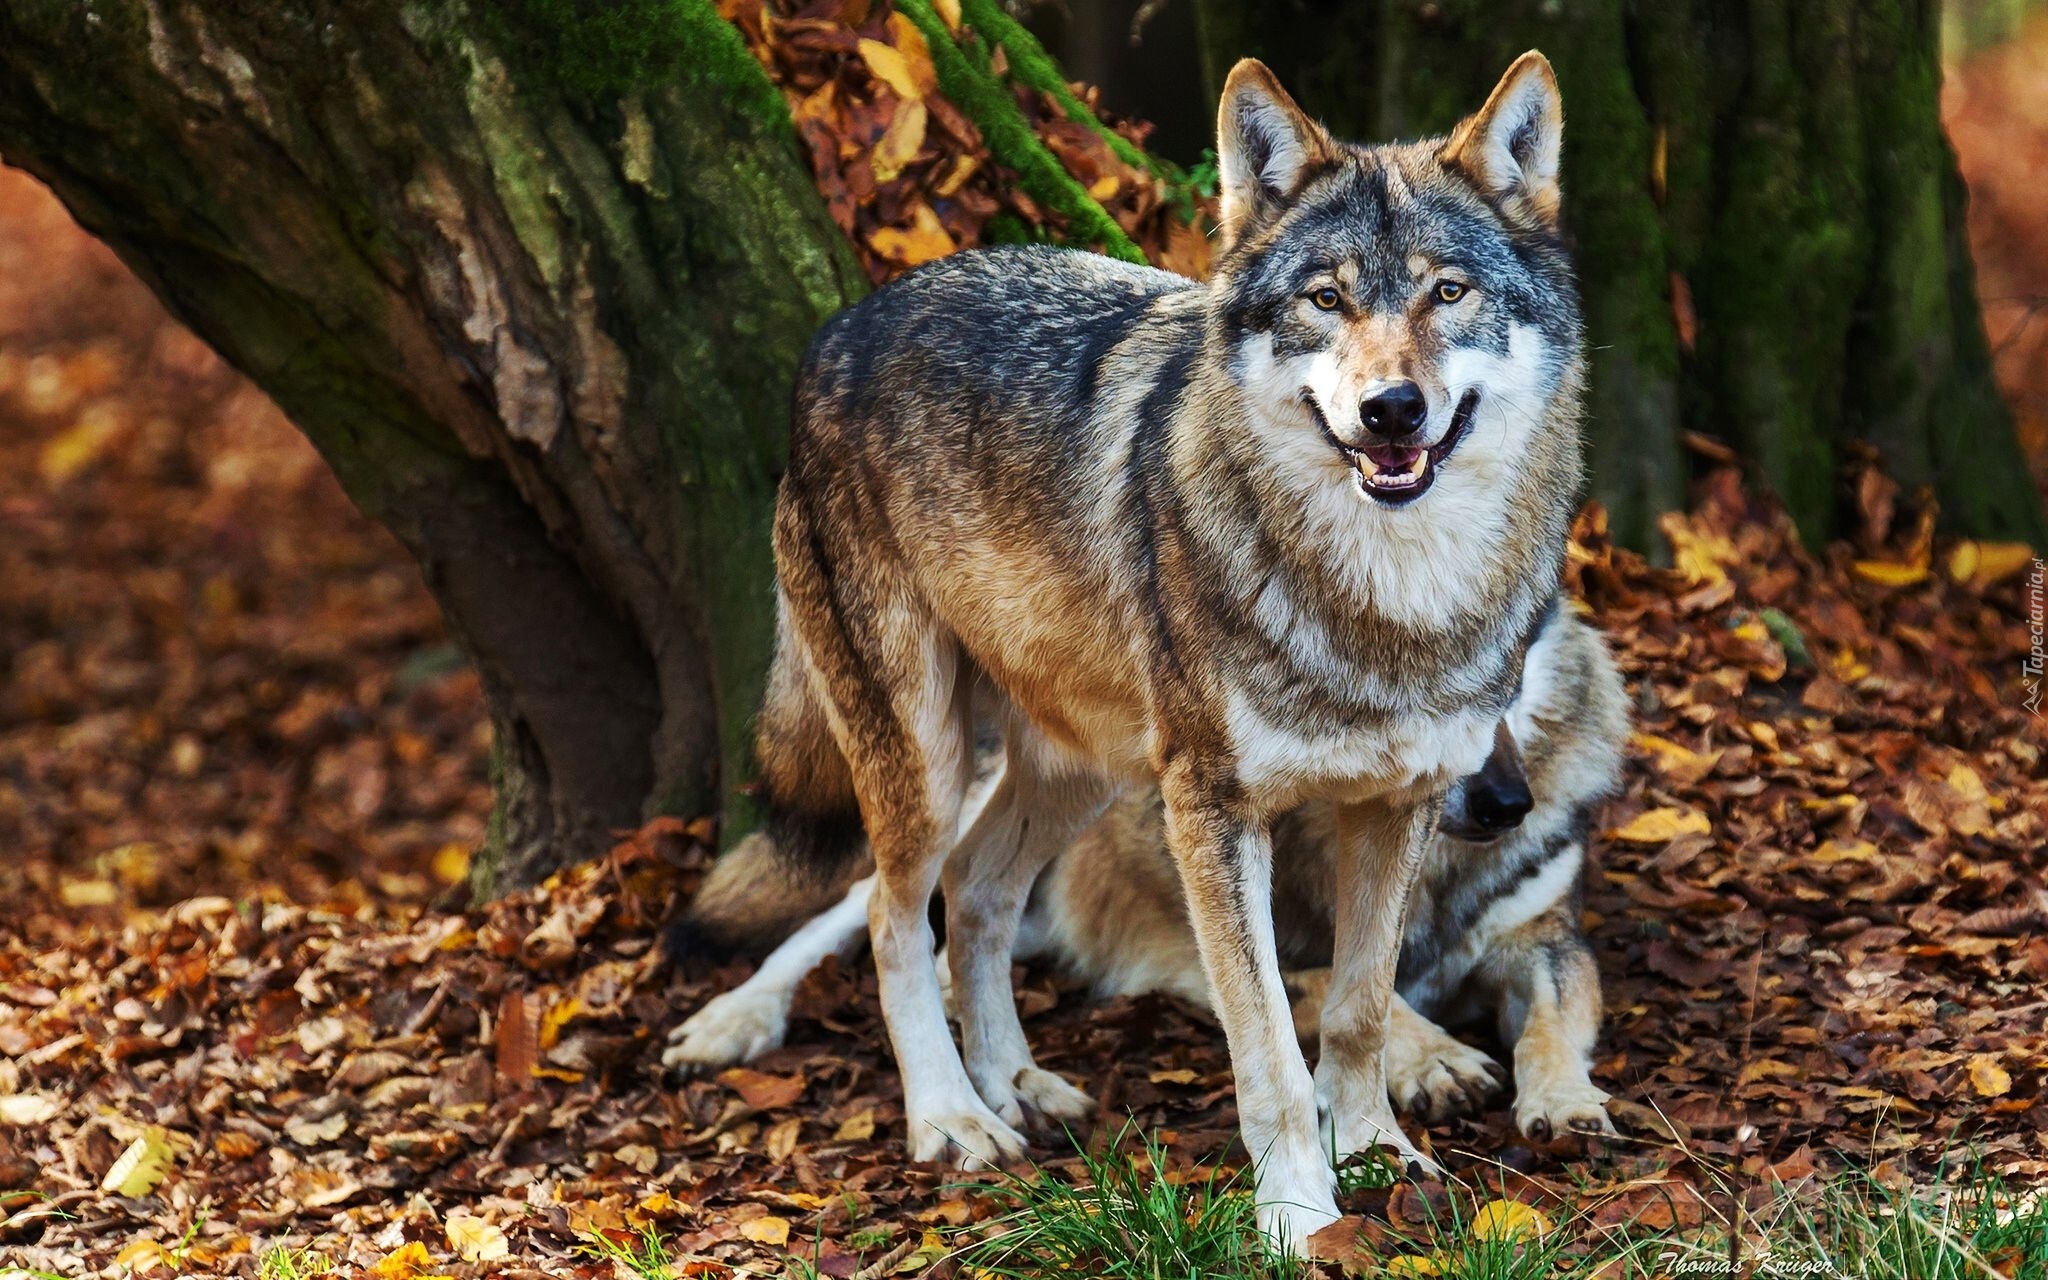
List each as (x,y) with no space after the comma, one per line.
(1280,537)
(1492,929)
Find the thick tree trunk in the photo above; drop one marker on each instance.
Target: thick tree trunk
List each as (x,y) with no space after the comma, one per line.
(1768,224)
(540,318)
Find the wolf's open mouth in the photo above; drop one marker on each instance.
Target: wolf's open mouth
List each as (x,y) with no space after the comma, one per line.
(1398,474)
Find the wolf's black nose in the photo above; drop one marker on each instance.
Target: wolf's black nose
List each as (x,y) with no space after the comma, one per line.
(1395,411)
(1498,804)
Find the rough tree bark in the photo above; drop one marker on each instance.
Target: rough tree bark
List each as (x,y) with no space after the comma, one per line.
(536,290)
(1773,173)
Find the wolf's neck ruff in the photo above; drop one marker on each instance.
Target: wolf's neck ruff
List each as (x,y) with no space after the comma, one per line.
(1274,538)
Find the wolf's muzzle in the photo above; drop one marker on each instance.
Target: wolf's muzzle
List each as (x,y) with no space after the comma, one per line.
(1395,472)
(1488,804)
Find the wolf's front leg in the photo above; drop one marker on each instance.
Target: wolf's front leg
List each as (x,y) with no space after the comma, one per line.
(1549,998)
(1226,866)
(1382,844)
(752,1018)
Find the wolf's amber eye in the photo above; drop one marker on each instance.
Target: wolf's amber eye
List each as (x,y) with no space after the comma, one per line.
(1326,298)
(1449,291)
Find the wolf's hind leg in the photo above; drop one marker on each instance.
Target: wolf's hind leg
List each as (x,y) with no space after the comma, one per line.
(912,835)
(899,705)
(1549,993)
(1029,819)
(752,1018)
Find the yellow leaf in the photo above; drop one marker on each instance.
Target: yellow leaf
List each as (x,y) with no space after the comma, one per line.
(1768,1069)
(964,166)
(899,143)
(768,1229)
(780,1139)
(559,1014)
(1179,1075)
(141,1167)
(1963,561)
(475,1240)
(1674,761)
(1702,557)
(930,1248)
(1886,574)
(917,55)
(659,1205)
(451,863)
(1997,561)
(81,446)
(141,1257)
(89,893)
(1414,1264)
(858,1127)
(408,1262)
(1655,826)
(1988,1078)
(1965,782)
(1104,187)
(949,13)
(890,67)
(1848,668)
(1506,1219)
(921,242)
(1843,851)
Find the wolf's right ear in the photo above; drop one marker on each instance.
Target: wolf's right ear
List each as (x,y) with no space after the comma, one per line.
(1265,145)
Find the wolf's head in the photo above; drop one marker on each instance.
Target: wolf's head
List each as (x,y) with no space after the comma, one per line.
(1401,319)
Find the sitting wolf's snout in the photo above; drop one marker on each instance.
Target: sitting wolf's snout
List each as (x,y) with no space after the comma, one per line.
(1394,411)
(1498,805)
(1492,802)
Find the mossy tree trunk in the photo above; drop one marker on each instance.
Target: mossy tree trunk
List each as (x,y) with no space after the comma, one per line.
(538,301)
(1767,218)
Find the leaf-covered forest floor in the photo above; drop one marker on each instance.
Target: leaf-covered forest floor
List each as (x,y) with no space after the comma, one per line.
(240,771)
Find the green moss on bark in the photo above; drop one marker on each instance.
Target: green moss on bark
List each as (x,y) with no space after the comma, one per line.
(965,79)
(601,49)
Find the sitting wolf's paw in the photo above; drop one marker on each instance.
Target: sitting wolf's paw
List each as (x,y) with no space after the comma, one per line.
(1433,1076)
(738,1026)
(1547,1110)
(1051,1098)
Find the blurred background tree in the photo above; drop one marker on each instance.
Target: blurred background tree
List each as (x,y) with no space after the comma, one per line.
(534,276)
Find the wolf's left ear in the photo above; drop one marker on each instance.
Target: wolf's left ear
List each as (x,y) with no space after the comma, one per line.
(1510,148)
(1265,145)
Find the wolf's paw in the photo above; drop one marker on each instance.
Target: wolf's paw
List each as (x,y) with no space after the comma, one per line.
(1547,1110)
(738,1026)
(967,1138)
(1051,1098)
(1349,1121)
(1437,1077)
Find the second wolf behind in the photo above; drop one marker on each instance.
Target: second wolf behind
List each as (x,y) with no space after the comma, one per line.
(1492,935)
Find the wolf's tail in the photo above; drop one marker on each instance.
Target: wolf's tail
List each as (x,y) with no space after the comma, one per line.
(811,847)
